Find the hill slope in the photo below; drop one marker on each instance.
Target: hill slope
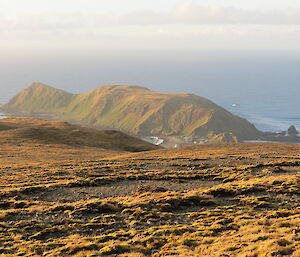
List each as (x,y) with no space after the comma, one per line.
(239,200)
(132,109)
(50,132)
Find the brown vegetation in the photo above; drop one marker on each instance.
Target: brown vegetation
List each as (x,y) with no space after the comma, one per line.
(53,132)
(222,200)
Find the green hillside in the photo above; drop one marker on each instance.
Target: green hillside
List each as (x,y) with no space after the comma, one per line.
(132,109)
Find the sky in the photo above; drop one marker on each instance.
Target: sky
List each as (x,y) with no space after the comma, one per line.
(68,25)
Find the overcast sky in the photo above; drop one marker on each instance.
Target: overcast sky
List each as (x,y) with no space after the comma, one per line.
(144,24)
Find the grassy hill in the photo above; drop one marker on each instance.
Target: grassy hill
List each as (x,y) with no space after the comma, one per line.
(239,200)
(132,109)
(50,132)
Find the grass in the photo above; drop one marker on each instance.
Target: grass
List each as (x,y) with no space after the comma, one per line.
(222,200)
(131,109)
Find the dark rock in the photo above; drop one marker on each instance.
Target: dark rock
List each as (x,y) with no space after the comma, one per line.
(292,131)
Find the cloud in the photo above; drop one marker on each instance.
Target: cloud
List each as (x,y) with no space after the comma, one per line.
(187,26)
(184,14)
(143,17)
(191,13)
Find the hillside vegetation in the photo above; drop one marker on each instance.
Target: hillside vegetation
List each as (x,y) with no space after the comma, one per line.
(239,200)
(51,132)
(132,109)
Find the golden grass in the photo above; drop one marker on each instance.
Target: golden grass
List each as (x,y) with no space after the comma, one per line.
(62,200)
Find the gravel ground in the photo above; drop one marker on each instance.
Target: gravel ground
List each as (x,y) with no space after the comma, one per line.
(121,188)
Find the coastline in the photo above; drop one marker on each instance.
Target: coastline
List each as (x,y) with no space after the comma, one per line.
(267,136)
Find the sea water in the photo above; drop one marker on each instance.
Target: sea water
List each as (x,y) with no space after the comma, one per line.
(261,86)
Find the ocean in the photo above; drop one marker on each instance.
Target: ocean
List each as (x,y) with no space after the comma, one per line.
(261,86)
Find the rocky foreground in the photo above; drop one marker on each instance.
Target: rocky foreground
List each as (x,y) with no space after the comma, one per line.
(212,200)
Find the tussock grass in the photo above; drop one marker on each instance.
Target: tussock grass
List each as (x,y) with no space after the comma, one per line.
(226,200)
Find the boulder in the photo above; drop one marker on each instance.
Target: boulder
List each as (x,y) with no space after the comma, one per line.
(292,131)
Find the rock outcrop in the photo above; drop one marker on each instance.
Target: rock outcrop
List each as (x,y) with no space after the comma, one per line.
(292,131)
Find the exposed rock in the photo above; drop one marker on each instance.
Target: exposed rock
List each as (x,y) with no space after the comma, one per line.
(292,131)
